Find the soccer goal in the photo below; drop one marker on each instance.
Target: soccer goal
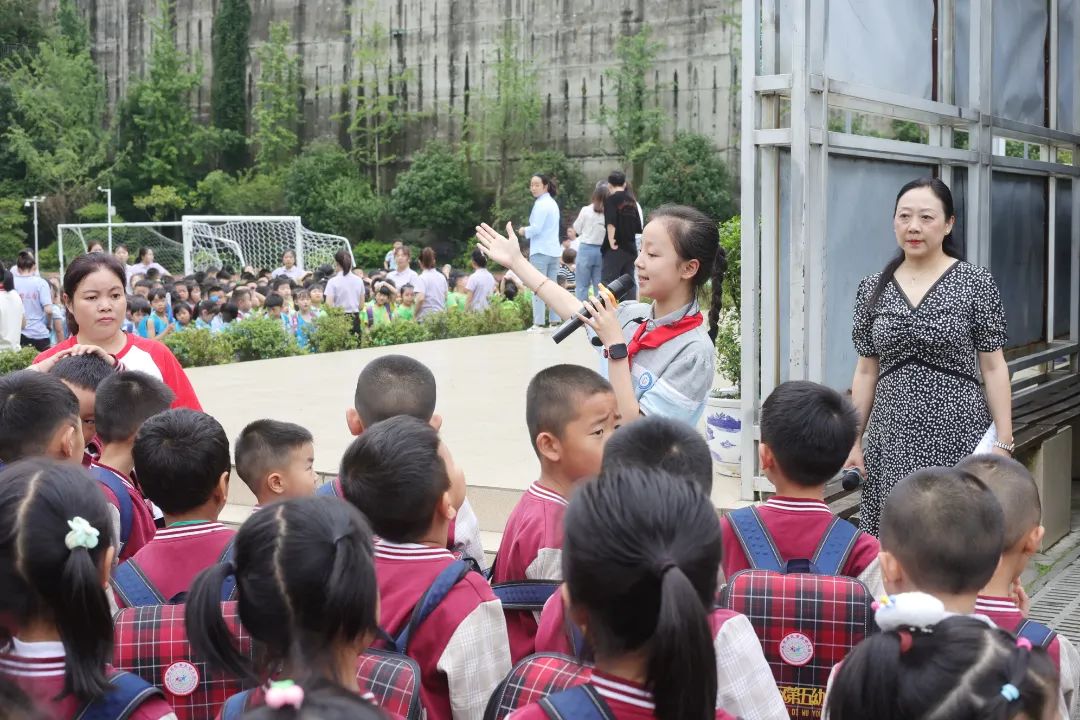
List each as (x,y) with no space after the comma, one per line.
(77,238)
(212,242)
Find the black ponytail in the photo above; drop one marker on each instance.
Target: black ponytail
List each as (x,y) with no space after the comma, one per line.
(207,630)
(697,237)
(955,671)
(345,260)
(305,575)
(640,556)
(45,580)
(950,245)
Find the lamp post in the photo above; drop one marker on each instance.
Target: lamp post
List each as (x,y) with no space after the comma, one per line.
(27,203)
(108,212)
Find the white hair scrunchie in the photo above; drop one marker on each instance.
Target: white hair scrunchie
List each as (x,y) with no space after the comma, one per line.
(82,534)
(909,610)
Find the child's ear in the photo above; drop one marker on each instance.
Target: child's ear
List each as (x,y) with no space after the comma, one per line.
(446,507)
(436,422)
(106,566)
(64,442)
(353,421)
(1033,540)
(892,573)
(766,459)
(275,483)
(221,492)
(549,446)
(690,269)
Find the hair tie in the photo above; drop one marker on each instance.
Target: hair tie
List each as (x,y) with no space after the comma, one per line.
(284,692)
(82,534)
(905,640)
(1023,643)
(1010,692)
(665,565)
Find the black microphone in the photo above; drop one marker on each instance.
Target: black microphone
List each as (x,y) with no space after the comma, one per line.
(619,288)
(851,478)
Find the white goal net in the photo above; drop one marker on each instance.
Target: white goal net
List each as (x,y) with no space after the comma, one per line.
(161,237)
(214,242)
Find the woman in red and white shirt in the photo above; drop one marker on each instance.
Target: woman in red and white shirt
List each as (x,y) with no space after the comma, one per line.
(96,306)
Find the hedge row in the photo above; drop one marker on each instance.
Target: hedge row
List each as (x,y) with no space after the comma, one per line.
(262,338)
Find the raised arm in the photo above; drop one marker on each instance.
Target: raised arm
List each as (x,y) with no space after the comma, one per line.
(507,253)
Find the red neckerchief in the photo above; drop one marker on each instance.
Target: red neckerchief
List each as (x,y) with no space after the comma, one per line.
(660,335)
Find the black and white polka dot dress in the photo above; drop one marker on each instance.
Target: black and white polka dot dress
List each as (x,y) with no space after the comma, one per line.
(929,406)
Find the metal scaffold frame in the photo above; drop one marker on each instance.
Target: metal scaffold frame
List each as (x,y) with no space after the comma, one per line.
(812,145)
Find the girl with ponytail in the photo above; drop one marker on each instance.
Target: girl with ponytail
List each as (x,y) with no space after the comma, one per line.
(640,559)
(306,593)
(658,356)
(55,620)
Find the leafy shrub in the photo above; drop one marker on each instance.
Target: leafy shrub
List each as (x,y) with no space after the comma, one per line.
(14,360)
(325,188)
(369,254)
(729,347)
(195,347)
(249,194)
(731,241)
(12,234)
(332,332)
(689,171)
(517,201)
(261,338)
(435,193)
(398,333)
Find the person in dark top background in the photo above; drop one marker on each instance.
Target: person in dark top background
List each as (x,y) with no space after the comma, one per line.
(623,226)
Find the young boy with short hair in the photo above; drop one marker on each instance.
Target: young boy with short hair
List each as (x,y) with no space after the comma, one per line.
(276,461)
(571,412)
(404,480)
(182,461)
(807,430)
(394,385)
(39,416)
(83,374)
(1015,489)
(124,402)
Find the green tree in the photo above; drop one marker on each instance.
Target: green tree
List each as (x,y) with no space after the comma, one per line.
(277,111)
(325,188)
(635,125)
(12,228)
(376,119)
(252,193)
(72,26)
(228,99)
(20,23)
(689,171)
(56,129)
(161,142)
(161,203)
(435,193)
(511,118)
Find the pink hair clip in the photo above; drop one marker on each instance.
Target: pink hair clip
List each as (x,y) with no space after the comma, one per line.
(1023,643)
(284,692)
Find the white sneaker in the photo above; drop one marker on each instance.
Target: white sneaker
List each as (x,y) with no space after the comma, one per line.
(535,329)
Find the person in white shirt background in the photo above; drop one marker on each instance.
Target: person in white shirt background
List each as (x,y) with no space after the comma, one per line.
(590,230)
(12,315)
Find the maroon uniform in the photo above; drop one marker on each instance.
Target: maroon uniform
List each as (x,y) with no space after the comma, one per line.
(177,554)
(143,528)
(531,549)
(461,647)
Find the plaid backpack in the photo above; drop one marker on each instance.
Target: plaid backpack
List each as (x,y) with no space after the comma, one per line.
(806,615)
(151,641)
(135,589)
(533,679)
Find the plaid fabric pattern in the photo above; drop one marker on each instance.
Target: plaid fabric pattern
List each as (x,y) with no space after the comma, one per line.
(151,639)
(393,680)
(533,679)
(833,613)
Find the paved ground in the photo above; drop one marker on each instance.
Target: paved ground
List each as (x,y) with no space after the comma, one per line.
(1053,580)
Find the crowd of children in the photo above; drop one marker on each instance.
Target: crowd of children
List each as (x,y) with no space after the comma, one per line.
(618,529)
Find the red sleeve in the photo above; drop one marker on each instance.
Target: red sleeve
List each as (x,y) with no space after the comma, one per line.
(154,708)
(529,712)
(551,632)
(862,555)
(174,376)
(46,354)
